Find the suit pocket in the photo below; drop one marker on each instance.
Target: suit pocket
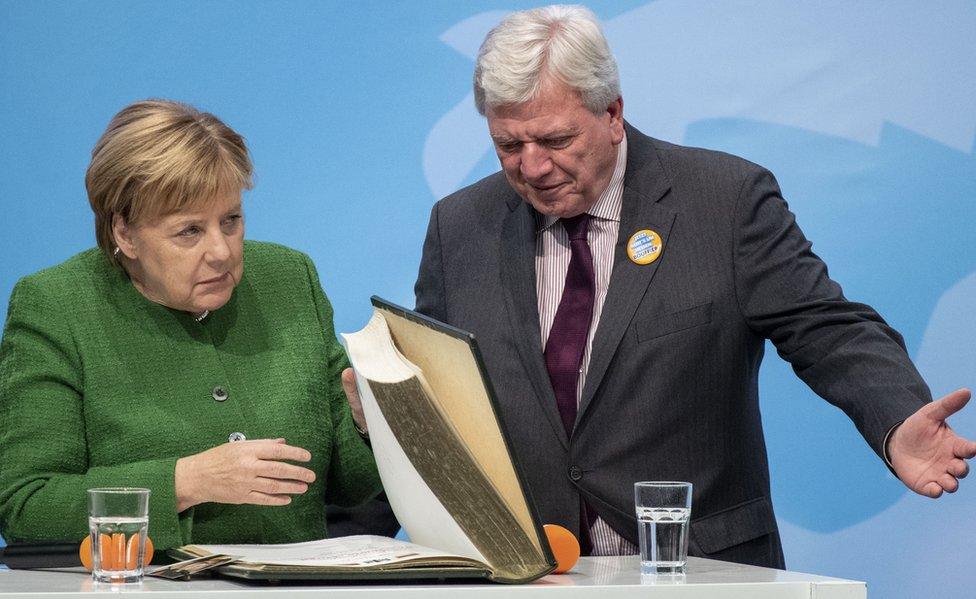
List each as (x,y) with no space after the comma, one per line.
(674,322)
(734,525)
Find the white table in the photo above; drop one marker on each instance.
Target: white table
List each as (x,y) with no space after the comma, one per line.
(603,577)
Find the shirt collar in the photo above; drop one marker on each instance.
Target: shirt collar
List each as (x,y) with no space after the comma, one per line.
(609,205)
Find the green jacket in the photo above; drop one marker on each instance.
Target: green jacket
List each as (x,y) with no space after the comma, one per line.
(100,387)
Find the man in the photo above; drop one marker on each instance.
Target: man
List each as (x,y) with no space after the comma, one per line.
(621,289)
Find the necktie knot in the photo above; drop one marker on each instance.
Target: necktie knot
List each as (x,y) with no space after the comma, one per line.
(577,226)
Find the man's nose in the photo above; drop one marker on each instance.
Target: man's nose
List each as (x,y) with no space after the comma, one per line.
(536,162)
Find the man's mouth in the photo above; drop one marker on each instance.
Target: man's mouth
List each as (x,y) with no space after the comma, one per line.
(547,188)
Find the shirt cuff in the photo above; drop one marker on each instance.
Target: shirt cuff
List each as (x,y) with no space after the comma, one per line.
(887,456)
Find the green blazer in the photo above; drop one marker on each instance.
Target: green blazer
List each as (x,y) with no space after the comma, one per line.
(100,387)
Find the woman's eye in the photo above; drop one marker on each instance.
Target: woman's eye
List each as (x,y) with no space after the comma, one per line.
(189,232)
(232,220)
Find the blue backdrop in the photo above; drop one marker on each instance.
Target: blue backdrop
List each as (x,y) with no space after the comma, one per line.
(360,115)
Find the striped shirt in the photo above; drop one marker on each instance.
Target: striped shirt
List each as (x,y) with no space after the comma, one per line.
(552,255)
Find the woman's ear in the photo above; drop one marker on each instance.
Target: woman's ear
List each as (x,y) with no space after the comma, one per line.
(123,236)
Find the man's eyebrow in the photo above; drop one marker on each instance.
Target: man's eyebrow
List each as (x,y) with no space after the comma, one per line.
(501,138)
(567,132)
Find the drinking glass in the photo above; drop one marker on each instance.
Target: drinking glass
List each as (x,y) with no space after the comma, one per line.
(118,519)
(663,511)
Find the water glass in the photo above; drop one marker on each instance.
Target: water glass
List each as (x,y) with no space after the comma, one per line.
(663,512)
(118,519)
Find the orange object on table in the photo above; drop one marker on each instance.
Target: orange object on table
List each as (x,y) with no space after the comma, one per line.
(565,547)
(116,554)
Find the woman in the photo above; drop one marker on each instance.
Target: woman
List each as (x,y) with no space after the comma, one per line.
(176,356)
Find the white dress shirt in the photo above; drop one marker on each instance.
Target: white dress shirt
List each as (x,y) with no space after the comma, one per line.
(552,255)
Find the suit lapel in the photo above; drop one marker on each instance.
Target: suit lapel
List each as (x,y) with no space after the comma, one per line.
(518,280)
(645,182)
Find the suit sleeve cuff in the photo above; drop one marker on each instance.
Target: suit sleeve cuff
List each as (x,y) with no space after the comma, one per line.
(886,452)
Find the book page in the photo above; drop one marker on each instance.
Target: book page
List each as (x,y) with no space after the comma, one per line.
(450,369)
(415,442)
(418,510)
(360,551)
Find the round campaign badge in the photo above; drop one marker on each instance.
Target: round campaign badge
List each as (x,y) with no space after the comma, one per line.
(644,247)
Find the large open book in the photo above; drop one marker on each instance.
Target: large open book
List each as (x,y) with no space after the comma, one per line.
(344,558)
(445,462)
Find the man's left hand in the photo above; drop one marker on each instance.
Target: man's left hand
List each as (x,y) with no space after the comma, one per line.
(925,452)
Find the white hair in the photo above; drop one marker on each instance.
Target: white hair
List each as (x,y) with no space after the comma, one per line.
(560,41)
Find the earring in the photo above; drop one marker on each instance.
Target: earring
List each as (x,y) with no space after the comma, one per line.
(116,252)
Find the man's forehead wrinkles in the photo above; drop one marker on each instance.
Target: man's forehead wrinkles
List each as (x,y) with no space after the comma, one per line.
(529,132)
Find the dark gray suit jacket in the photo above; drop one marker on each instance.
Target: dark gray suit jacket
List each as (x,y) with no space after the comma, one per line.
(671,392)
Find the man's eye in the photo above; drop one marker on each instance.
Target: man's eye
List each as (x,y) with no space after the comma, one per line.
(509,146)
(558,142)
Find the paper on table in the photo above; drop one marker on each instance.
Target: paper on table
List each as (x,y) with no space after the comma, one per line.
(354,552)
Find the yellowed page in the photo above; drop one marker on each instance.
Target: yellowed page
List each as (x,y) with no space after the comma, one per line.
(419,511)
(452,373)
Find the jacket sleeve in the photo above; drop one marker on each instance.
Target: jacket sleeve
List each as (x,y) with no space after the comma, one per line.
(44,464)
(431,299)
(843,350)
(352,477)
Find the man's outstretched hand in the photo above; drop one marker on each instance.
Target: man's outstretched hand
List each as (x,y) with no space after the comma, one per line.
(925,452)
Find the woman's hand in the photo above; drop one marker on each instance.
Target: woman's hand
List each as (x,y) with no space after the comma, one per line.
(352,396)
(243,472)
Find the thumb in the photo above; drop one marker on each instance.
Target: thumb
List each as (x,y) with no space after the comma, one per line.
(942,408)
(349,385)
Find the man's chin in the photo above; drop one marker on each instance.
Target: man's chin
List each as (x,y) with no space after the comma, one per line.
(558,208)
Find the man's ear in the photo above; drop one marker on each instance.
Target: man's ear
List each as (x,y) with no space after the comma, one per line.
(122,233)
(616,112)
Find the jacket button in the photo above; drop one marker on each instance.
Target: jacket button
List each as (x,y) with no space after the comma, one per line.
(575,473)
(219,393)
(236,437)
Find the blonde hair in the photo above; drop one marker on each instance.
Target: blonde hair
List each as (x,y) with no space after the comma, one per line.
(559,41)
(158,157)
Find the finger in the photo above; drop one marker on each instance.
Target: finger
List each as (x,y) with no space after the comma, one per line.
(274,486)
(284,471)
(259,498)
(948,405)
(949,483)
(253,442)
(932,489)
(958,468)
(963,448)
(349,385)
(272,450)
(352,396)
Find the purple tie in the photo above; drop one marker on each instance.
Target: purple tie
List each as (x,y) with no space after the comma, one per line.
(571,326)
(567,340)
